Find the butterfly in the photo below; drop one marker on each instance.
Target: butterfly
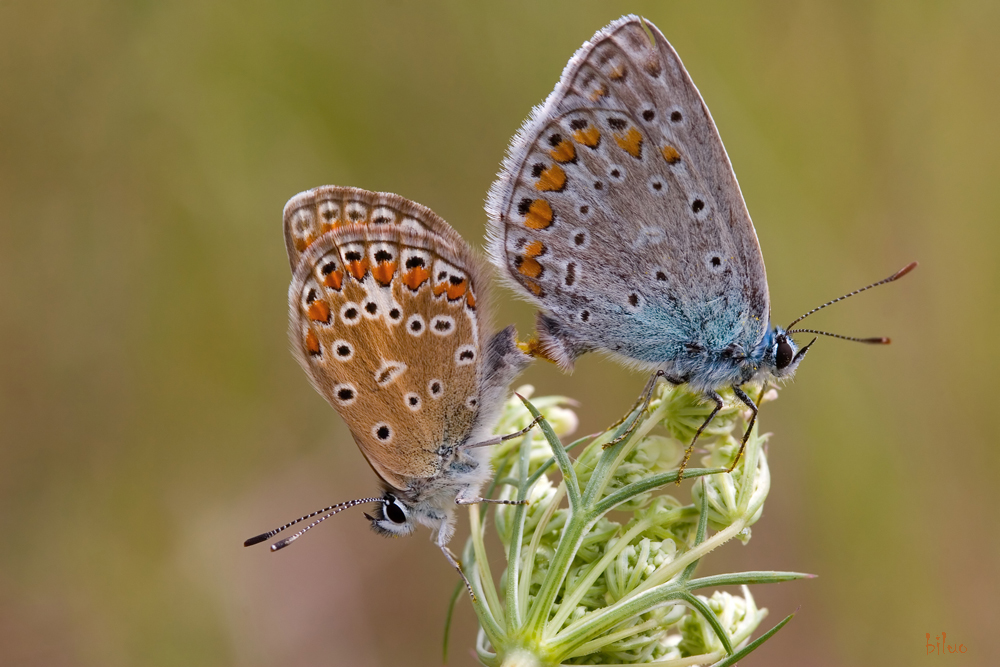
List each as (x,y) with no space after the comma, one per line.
(388,316)
(617,212)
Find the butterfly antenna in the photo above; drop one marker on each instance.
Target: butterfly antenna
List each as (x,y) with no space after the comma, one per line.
(330,511)
(878,340)
(896,276)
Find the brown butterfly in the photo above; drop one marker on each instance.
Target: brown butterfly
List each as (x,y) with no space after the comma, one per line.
(388,317)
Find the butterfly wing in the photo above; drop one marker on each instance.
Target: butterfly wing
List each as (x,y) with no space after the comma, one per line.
(618,213)
(385,320)
(310,214)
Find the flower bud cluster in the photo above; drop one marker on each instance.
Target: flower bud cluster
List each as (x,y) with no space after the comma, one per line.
(605,551)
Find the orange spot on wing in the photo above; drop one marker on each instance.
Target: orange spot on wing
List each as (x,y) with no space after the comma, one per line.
(303,243)
(564,151)
(534,249)
(326,227)
(530,268)
(598,93)
(416,277)
(589,136)
(440,288)
(539,215)
(671,155)
(535,288)
(319,311)
(552,179)
(312,343)
(334,279)
(358,269)
(630,142)
(617,72)
(384,271)
(470,300)
(456,291)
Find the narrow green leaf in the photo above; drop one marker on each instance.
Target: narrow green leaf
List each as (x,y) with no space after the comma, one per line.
(548,464)
(712,619)
(608,460)
(447,619)
(517,539)
(565,465)
(752,646)
(746,578)
(699,537)
(643,485)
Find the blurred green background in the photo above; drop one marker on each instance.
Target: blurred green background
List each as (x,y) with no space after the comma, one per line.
(151,417)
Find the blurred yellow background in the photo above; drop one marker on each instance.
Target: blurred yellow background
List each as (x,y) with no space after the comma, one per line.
(151,416)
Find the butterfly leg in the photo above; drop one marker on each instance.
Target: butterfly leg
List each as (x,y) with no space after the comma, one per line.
(458,566)
(644,398)
(496,501)
(503,438)
(687,453)
(753,407)
(463,499)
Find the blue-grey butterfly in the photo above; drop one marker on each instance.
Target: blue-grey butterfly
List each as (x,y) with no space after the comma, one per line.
(618,213)
(388,316)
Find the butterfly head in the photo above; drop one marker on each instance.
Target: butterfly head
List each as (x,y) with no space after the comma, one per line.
(392,517)
(784,356)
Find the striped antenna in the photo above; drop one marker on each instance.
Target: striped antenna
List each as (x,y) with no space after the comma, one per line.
(878,340)
(896,276)
(328,511)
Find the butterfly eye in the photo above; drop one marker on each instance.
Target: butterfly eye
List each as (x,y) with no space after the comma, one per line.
(784,354)
(394,512)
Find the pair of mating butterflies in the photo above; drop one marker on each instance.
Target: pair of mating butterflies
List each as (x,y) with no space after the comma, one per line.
(616,212)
